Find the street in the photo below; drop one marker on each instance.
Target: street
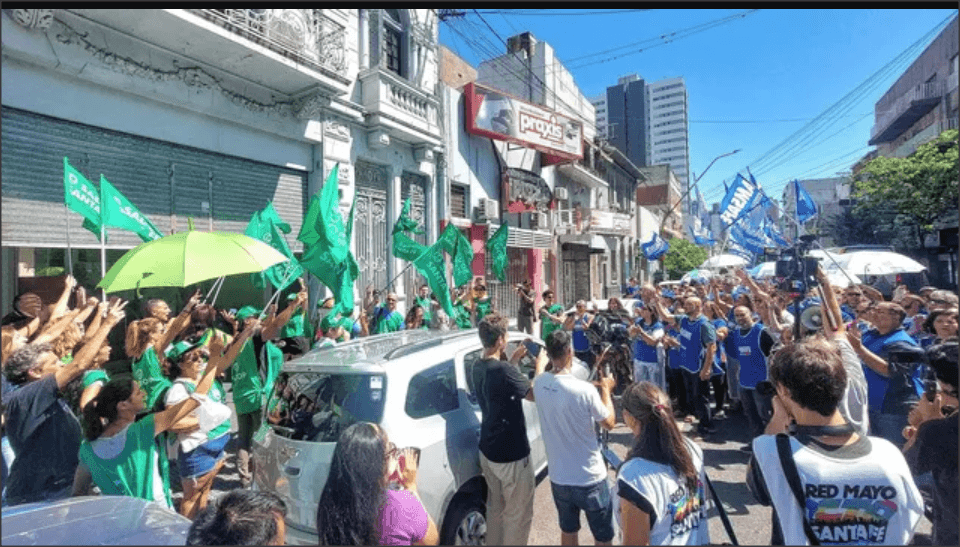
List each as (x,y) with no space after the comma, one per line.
(726,468)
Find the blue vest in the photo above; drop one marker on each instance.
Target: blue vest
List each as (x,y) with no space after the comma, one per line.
(691,345)
(876,384)
(642,351)
(580,342)
(673,354)
(753,363)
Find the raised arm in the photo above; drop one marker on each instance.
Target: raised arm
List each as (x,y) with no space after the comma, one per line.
(178,324)
(101,310)
(86,357)
(833,326)
(273,325)
(60,307)
(871,293)
(217,363)
(872,360)
(54,328)
(663,313)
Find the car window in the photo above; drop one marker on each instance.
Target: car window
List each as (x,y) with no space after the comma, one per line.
(317,407)
(469,360)
(433,391)
(527,364)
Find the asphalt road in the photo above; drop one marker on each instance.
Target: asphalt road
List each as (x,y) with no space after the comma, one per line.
(726,466)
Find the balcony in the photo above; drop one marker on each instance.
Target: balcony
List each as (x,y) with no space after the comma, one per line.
(290,51)
(906,110)
(398,108)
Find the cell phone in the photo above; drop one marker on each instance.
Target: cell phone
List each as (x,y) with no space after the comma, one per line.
(232,311)
(533,348)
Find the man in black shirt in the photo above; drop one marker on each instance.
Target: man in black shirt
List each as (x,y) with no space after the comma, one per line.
(932,443)
(525,311)
(504,450)
(44,433)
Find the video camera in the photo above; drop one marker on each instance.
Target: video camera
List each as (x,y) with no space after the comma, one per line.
(796,268)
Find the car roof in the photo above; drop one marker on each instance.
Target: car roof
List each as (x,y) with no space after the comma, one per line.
(94,520)
(371,352)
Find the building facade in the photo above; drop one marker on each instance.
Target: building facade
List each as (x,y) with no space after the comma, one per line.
(920,105)
(669,134)
(832,196)
(206,115)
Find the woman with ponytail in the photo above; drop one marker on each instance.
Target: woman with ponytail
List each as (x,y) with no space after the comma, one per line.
(121,453)
(661,484)
(145,344)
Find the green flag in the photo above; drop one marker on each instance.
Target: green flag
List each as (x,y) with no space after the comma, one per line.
(431,266)
(268,227)
(458,246)
(406,248)
(497,245)
(339,277)
(326,242)
(82,196)
(119,212)
(404,222)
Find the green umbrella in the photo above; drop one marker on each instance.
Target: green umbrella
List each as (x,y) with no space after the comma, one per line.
(186,258)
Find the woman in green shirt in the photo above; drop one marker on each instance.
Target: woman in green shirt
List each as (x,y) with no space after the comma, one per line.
(145,344)
(121,453)
(200,454)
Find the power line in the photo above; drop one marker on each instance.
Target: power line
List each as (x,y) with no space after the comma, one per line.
(575,13)
(816,127)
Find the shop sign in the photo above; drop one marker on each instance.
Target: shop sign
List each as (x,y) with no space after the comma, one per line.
(490,113)
(525,191)
(609,222)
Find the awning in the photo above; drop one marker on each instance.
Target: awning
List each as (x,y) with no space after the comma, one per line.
(594,242)
(581,175)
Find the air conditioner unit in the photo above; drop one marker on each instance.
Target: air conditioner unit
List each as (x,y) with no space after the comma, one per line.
(487,210)
(538,221)
(561,193)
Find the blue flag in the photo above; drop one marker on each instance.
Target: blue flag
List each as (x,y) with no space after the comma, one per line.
(806,208)
(773,233)
(741,197)
(656,247)
(736,249)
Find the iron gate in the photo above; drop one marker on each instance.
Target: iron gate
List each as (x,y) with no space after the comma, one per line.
(370,225)
(414,187)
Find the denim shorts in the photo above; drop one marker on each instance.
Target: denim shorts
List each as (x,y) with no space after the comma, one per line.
(202,459)
(594,499)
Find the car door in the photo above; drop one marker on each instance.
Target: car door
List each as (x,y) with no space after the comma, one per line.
(527,364)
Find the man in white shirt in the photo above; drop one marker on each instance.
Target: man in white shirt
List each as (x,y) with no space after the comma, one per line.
(568,408)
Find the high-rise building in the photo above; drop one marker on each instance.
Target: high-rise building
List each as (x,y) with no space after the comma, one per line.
(668,126)
(625,113)
(648,122)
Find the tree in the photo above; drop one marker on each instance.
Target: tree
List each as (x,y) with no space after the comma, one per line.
(921,188)
(682,257)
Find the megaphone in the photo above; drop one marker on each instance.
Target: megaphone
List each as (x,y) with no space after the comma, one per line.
(812,318)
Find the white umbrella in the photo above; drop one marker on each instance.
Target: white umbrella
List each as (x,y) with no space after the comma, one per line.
(837,279)
(724,261)
(764,269)
(878,263)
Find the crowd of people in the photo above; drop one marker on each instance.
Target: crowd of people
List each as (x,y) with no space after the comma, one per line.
(855,402)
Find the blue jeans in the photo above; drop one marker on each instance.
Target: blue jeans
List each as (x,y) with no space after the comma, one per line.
(888,426)
(594,500)
(757,408)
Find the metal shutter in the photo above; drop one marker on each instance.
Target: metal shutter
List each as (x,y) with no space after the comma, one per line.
(167,182)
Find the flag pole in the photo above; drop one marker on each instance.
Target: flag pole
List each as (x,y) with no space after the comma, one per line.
(69,250)
(103,259)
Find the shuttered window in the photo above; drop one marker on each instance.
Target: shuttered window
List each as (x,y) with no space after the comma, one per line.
(458,201)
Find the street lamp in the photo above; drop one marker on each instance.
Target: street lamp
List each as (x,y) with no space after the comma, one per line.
(692,186)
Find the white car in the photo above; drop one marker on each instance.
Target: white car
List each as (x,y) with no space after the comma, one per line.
(417,386)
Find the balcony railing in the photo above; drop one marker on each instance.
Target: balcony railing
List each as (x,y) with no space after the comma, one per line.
(922,92)
(302,35)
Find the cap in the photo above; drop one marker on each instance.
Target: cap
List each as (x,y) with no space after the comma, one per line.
(927,288)
(246,312)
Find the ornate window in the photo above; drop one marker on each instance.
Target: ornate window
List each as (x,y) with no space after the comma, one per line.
(393,42)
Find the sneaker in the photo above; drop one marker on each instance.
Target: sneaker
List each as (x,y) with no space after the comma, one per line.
(719,415)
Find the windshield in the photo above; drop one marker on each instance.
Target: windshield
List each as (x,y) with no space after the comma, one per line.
(313,406)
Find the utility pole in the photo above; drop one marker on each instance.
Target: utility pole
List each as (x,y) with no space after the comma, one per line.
(692,186)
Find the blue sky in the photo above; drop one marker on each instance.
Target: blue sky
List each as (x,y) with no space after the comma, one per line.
(772,71)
